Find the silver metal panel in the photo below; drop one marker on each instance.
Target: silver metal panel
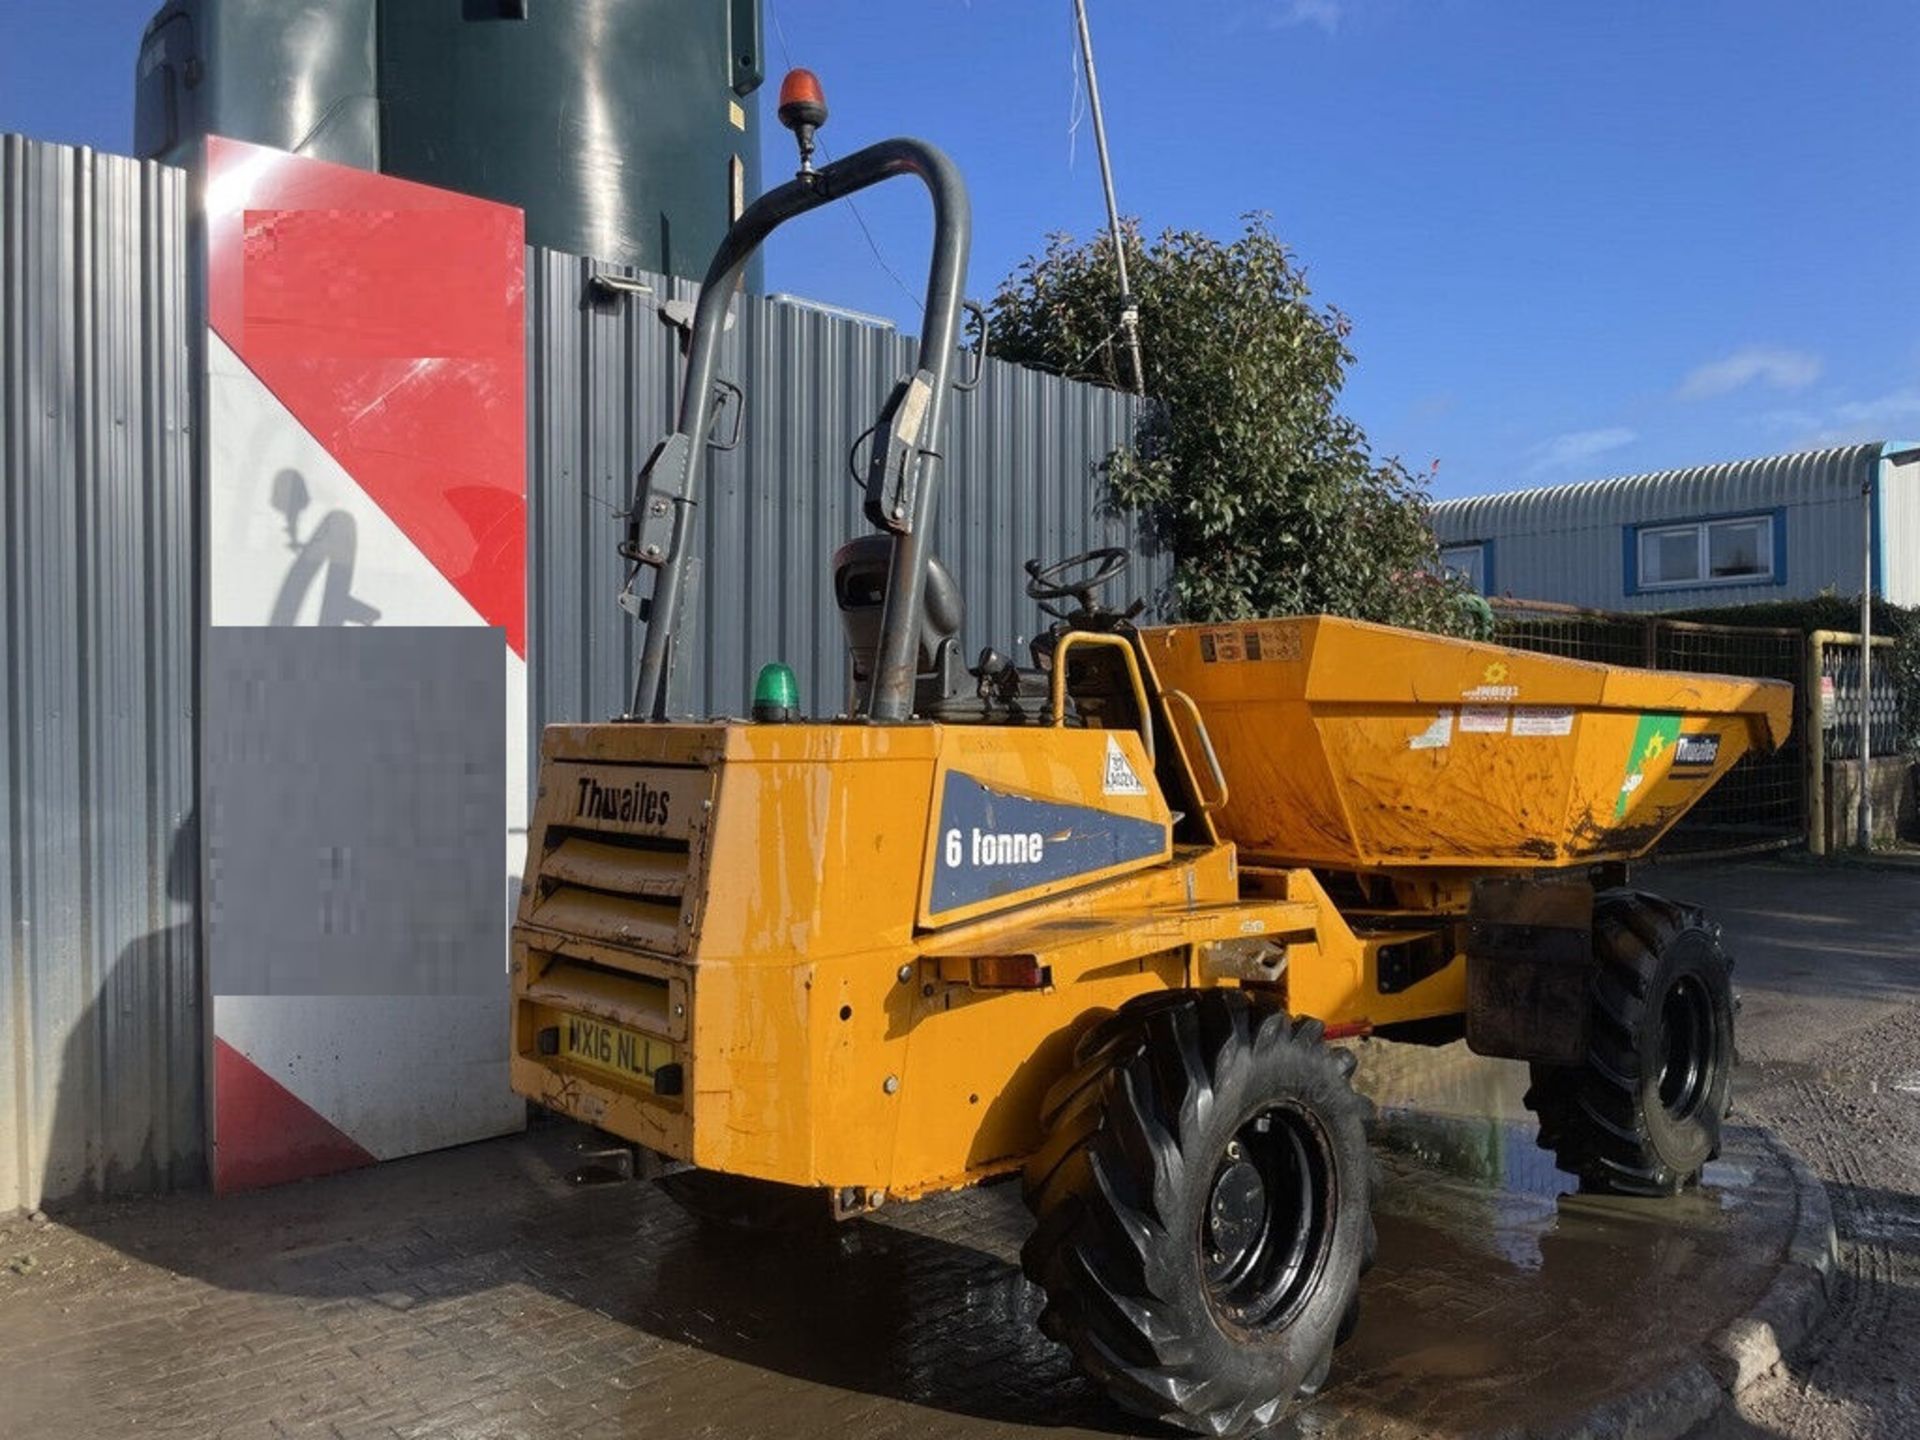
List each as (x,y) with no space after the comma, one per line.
(1023,480)
(1567,543)
(100,995)
(1900,525)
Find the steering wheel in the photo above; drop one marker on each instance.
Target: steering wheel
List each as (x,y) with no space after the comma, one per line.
(1045,583)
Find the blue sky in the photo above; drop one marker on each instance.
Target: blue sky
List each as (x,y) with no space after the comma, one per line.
(1576,238)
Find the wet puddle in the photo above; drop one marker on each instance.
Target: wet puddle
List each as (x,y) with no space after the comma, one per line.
(1503,1297)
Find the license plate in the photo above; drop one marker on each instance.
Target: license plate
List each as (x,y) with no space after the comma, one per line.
(613,1049)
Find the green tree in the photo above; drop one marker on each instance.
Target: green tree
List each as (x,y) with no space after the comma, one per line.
(1270,498)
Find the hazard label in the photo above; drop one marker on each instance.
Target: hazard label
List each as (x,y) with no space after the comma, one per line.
(1120,778)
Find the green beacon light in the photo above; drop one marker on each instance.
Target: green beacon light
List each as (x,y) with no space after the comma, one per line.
(776,695)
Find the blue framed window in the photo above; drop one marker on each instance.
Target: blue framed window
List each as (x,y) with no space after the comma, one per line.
(1710,551)
(1472,562)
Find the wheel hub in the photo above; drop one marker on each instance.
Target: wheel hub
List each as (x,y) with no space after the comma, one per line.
(1687,1058)
(1236,1213)
(1269,1218)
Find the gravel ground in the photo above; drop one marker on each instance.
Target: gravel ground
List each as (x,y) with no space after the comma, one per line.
(1830,1050)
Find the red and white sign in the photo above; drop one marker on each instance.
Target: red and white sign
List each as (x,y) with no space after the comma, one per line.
(364,763)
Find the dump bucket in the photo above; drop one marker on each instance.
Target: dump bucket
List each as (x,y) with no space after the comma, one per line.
(1356,746)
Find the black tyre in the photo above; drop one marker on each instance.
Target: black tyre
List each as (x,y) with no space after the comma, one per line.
(735,1202)
(1202,1206)
(1643,1115)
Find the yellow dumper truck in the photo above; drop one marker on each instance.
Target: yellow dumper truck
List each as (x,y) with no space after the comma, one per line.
(1093,920)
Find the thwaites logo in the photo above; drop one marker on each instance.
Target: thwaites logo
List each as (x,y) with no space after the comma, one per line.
(1696,752)
(635,804)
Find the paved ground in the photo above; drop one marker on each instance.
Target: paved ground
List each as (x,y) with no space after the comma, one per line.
(476,1293)
(1829,966)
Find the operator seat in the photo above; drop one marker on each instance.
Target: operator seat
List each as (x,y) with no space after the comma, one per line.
(860,590)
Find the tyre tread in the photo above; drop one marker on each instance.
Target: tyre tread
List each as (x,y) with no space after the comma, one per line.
(1111,1166)
(1592,1117)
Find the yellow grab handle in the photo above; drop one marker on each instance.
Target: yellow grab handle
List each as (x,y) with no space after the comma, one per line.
(1075,638)
(1206,748)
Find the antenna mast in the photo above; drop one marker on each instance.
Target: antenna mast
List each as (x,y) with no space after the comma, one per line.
(1129,311)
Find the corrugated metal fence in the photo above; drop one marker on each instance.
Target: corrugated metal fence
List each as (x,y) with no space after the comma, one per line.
(101,1042)
(100,1045)
(1023,480)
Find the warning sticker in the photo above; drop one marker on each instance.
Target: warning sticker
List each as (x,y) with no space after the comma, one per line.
(1269,641)
(1120,778)
(1483,719)
(1276,642)
(1542,720)
(1436,736)
(1226,645)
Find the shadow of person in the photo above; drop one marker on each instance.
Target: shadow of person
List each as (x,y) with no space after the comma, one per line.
(328,555)
(128,1113)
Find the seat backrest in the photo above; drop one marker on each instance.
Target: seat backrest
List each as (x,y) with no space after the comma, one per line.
(860,590)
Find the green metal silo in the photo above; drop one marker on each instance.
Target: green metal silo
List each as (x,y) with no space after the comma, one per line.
(625,129)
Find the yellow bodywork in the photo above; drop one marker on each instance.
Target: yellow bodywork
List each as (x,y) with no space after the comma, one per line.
(1363,747)
(853,956)
(762,906)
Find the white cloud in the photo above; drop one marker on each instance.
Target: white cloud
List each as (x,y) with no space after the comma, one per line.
(1900,407)
(1325,16)
(1755,365)
(1892,416)
(1283,14)
(1575,449)
(1324,13)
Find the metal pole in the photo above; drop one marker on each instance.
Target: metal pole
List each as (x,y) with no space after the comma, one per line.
(1864,837)
(1129,312)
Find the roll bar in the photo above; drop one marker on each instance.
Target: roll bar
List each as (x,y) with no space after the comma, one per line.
(659,526)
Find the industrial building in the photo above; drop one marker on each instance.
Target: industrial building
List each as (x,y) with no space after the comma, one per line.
(1785,527)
